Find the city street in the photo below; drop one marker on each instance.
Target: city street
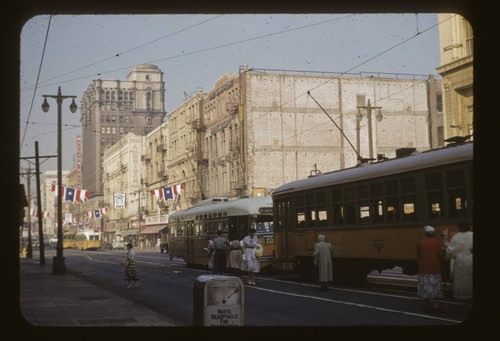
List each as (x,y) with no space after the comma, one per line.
(166,288)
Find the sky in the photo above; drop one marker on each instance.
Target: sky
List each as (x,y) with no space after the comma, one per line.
(194,50)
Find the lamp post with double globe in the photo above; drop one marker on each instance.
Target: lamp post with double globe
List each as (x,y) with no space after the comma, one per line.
(58,265)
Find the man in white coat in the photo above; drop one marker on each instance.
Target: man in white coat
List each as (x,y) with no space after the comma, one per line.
(323,259)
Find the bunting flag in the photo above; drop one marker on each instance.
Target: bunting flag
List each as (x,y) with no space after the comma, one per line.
(34,213)
(166,193)
(71,194)
(97,213)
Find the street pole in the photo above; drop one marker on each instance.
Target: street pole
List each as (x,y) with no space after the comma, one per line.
(369,109)
(39,198)
(29,249)
(39,202)
(58,265)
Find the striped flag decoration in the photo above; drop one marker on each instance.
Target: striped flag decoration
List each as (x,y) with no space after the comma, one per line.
(71,194)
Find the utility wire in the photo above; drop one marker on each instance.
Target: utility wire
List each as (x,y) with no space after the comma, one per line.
(352,68)
(37,78)
(208,49)
(132,49)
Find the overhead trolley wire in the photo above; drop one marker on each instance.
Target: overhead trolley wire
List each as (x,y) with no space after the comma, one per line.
(349,70)
(207,49)
(37,78)
(129,50)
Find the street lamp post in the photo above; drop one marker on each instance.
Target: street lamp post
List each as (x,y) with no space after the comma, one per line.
(58,265)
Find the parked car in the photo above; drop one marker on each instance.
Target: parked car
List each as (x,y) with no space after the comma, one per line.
(118,244)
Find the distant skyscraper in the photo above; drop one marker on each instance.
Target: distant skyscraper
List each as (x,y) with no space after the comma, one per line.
(112,108)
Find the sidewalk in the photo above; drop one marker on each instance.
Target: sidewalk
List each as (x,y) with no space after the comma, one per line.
(49,300)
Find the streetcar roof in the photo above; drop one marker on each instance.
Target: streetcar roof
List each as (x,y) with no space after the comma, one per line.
(89,232)
(243,206)
(427,159)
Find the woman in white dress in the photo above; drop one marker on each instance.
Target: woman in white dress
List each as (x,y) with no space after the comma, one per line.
(249,262)
(460,252)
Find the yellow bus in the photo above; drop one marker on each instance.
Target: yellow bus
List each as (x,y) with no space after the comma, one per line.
(190,228)
(89,240)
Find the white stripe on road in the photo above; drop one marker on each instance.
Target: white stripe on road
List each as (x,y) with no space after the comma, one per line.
(356,304)
(348,290)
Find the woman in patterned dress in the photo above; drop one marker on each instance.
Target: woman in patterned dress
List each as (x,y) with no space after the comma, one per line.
(130,269)
(234,258)
(430,254)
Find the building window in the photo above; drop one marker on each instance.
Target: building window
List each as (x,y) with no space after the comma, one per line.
(439,102)
(469,38)
(148,101)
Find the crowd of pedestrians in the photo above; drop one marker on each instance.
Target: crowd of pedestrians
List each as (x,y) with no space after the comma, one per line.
(245,255)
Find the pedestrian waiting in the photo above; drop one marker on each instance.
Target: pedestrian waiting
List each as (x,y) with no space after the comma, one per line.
(430,255)
(322,258)
(459,250)
(219,246)
(250,262)
(234,259)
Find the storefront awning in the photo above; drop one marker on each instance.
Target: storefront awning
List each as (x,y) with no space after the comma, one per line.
(153,228)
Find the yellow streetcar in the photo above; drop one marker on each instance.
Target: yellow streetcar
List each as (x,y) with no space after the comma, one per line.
(89,240)
(69,240)
(190,228)
(374,214)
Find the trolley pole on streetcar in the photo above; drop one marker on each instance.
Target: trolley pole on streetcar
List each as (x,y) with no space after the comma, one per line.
(58,265)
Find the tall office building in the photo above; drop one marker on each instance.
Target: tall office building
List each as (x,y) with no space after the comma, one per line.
(112,108)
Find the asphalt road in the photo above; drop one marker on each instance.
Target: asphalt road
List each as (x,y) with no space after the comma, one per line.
(277,300)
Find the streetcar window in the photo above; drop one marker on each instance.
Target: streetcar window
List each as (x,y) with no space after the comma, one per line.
(336,195)
(457,203)
(377,210)
(299,200)
(433,181)
(338,214)
(376,189)
(455,178)
(409,207)
(301,218)
(391,187)
(408,185)
(362,191)
(364,212)
(310,199)
(349,193)
(435,205)
(321,198)
(322,217)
